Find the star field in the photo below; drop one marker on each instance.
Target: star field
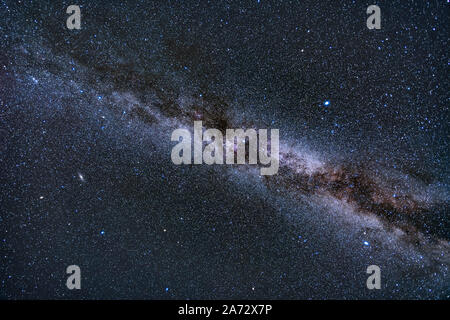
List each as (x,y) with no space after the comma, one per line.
(87,179)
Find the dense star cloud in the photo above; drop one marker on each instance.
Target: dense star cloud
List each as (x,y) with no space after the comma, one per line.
(86,118)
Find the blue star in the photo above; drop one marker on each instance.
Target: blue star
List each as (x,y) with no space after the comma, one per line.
(326,103)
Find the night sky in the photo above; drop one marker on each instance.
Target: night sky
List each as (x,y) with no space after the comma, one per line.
(86,178)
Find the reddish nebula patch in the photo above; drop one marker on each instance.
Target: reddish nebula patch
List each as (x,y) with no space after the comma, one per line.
(354,184)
